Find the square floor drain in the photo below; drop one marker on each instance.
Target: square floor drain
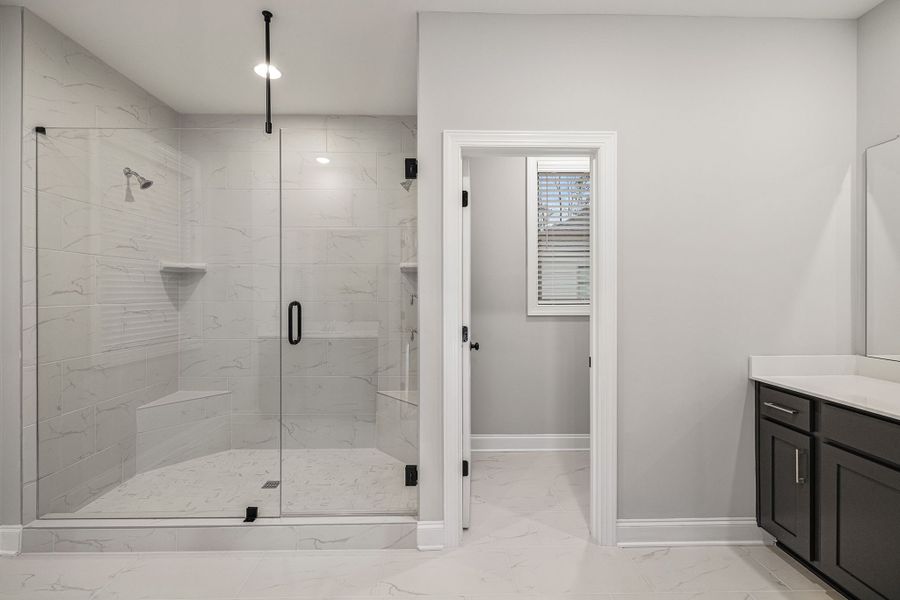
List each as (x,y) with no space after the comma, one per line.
(270,484)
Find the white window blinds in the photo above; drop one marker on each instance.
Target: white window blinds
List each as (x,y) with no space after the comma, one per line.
(559,236)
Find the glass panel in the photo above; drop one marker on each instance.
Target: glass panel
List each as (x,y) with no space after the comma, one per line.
(157,322)
(349,388)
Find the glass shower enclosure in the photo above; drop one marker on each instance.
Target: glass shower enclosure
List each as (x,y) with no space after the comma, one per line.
(223,322)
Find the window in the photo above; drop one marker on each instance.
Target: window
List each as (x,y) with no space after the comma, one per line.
(559,243)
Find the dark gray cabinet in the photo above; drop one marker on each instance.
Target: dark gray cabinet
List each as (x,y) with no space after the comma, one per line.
(860,523)
(828,489)
(785,501)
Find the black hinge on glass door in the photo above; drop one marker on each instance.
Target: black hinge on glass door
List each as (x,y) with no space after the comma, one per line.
(294,308)
(465,468)
(465,198)
(412,475)
(465,333)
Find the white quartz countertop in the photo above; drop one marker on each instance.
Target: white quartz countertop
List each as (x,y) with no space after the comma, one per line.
(854,382)
(864,393)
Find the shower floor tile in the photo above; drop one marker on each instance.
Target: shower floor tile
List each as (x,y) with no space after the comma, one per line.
(314,481)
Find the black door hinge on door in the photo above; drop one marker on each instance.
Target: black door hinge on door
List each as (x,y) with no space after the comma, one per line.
(465,333)
(465,198)
(465,468)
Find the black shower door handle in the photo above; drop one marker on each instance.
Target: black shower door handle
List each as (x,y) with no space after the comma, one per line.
(294,307)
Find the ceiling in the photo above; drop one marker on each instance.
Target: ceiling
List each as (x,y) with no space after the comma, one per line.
(338,56)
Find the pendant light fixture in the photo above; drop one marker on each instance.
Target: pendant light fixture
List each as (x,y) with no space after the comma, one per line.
(267,17)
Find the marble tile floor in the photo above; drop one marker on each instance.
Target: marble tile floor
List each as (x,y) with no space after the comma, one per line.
(314,481)
(529,544)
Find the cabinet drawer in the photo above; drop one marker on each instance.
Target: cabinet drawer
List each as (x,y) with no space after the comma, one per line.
(785,407)
(868,434)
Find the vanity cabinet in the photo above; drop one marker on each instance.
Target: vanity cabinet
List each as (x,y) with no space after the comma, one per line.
(785,501)
(828,489)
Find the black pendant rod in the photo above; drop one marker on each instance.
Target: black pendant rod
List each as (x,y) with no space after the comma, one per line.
(268,18)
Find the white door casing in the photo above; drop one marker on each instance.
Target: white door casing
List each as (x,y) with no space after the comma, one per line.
(601,146)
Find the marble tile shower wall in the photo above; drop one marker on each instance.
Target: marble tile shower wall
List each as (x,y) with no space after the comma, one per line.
(345,228)
(107,322)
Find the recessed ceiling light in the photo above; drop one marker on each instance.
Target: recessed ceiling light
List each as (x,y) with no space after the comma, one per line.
(322,160)
(260,70)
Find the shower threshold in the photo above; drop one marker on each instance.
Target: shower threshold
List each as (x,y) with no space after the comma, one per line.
(314,482)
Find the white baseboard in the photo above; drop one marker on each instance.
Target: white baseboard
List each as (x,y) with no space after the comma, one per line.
(430,535)
(690,532)
(530,442)
(10,539)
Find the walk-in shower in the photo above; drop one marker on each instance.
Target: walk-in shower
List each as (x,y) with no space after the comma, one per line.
(166,385)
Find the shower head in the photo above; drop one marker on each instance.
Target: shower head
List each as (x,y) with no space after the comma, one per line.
(142,181)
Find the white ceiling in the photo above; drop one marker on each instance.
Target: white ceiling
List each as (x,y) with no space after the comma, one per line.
(338,56)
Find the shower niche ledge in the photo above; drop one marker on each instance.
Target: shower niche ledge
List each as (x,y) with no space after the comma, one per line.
(175,266)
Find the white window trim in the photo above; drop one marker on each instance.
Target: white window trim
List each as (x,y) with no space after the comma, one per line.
(535,309)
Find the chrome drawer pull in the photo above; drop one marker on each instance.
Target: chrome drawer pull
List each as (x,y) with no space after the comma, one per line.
(789,411)
(797,479)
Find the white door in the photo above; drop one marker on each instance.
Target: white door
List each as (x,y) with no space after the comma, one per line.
(467,349)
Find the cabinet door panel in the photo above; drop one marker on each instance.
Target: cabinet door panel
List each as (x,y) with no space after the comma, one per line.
(860,521)
(785,501)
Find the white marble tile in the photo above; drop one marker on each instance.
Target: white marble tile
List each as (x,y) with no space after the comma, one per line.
(166,576)
(360,246)
(321,208)
(65,279)
(328,395)
(396,428)
(64,440)
(703,569)
(114,540)
(39,577)
(320,575)
(216,358)
(303,246)
(89,380)
(467,571)
(785,568)
(300,170)
(365,140)
(328,431)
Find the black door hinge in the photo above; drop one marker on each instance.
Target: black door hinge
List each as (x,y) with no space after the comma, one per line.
(465,468)
(465,198)
(589,362)
(412,475)
(465,333)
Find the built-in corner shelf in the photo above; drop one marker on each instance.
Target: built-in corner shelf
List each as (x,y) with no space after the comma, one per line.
(409,267)
(171,266)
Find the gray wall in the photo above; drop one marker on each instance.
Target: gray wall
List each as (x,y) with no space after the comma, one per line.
(879,80)
(737,145)
(531,374)
(879,119)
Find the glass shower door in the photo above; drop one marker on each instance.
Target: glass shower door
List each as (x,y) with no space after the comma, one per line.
(349,406)
(156,311)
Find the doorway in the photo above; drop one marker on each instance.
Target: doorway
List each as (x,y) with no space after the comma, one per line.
(600,147)
(528,227)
